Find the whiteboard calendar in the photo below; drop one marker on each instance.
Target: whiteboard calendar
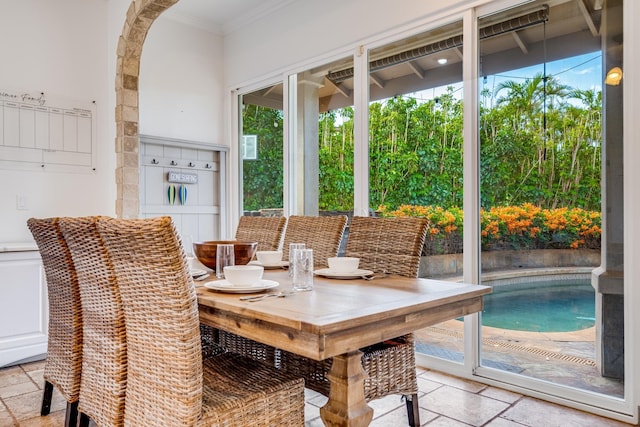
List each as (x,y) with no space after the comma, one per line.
(50,133)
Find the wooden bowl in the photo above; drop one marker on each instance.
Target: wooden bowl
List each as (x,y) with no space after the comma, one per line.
(206,251)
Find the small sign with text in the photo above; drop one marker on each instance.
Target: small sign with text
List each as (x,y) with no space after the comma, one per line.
(183,178)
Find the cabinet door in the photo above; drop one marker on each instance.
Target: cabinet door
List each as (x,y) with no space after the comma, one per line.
(23,308)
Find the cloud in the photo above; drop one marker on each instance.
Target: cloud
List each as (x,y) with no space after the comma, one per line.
(585,71)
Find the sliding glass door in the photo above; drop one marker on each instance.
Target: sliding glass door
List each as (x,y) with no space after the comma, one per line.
(503,126)
(545,128)
(415,155)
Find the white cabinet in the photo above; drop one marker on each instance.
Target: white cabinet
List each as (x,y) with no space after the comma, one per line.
(164,166)
(23,305)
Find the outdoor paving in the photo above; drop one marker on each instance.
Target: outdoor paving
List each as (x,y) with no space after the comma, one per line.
(565,358)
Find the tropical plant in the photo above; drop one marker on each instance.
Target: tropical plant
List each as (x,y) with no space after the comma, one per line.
(519,227)
(539,143)
(262,184)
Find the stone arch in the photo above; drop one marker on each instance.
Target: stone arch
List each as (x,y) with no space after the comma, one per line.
(140,15)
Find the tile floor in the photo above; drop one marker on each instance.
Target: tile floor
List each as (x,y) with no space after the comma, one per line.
(444,401)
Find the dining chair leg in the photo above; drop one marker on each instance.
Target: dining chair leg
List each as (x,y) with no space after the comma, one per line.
(46,398)
(84,420)
(71,417)
(413,410)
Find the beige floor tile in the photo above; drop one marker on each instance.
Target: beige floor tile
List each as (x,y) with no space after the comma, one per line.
(427,386)
(462,405)
(445,401)
(28,405)
(501,422)
(311,412)
(456,382)
(501,394)
(387,404)
(398,417)
(316,399)
(6,419)
(54,419)
(13,375)
(536,413)
(316,422)
(17,389)
(33,366)
(446,422)
(37,376)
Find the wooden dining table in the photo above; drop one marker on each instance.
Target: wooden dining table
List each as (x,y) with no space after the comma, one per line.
(336,319)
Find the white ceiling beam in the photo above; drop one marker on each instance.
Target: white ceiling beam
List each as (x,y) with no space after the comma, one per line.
(520,42)
(458,52)
(376,81)
(340,88)
(416,69)
(269,90)
(587,17)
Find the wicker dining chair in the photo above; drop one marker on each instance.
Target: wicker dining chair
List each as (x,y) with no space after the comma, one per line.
(168,383)
(63,364)
(266,230)
(393,246)
(104,353)
(323,234)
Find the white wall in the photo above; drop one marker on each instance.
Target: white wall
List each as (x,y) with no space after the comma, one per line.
(181,83)
(283,38)
(59,48)
(67,48)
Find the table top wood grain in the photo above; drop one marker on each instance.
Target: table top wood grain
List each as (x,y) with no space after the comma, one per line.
(339,316)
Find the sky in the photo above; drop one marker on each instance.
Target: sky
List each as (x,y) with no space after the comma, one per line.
(578,72)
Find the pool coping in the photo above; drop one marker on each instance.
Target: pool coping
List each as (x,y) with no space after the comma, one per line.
(528,273)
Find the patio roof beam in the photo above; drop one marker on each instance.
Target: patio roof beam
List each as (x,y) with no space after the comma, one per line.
(587,17)
(416,69)
(514,24)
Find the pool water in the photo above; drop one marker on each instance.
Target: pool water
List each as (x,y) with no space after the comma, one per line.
(550,307)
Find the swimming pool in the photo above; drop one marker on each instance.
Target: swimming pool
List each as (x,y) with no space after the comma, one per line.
(547,306)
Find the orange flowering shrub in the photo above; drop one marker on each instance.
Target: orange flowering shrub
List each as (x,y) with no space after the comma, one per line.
(508,227)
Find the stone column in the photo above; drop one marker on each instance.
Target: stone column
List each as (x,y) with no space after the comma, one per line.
(140,15)
(608,279)
(308,165)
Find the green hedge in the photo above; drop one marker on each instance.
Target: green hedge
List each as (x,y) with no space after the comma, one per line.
(508,227)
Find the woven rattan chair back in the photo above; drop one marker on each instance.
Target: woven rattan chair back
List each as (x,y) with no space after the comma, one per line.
(266,230)
(323,234)
(104,361)
(167,382)
(64,347)
(164,375)
(393,245)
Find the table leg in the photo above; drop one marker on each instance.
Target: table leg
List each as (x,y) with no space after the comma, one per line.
(346,406)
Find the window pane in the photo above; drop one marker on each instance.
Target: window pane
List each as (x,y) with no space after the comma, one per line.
(261,151)
(323,145)
(415,155)
(541,151)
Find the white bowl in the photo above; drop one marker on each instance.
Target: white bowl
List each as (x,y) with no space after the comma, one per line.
(243,275)
(269,257)
(343,264)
